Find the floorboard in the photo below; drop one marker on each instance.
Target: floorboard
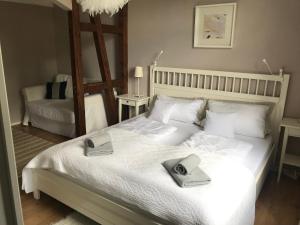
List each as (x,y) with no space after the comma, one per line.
(45,211)
(29,142)
(279,203)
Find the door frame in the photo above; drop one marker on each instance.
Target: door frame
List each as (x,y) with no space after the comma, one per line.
(10,151)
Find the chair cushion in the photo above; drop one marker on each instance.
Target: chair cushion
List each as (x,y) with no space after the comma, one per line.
(57,110)
(68,79)
(56,90)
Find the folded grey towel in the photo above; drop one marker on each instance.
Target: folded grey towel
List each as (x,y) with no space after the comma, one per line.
(187,164)
(197,176)
(97,141)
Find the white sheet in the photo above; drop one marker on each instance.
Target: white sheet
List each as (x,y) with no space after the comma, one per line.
(261,149)
(183,132)
(128,173)
(253,160)
(201,141)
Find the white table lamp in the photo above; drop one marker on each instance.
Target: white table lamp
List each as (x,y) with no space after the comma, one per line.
(138,74)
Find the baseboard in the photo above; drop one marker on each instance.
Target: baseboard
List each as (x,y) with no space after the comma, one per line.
(16,123)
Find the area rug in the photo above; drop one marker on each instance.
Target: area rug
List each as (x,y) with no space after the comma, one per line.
(76,219)
(27,147)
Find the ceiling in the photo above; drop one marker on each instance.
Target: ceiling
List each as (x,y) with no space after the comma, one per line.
(47,3)
(66,4)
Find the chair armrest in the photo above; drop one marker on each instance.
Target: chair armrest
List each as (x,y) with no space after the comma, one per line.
(34,93)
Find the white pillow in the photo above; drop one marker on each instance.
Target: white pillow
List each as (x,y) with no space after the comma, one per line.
(185,110)
(220,124)
(250,120)
(162,111)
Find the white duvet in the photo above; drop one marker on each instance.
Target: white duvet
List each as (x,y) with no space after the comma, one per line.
(148,127)
(134,174)
(235,149)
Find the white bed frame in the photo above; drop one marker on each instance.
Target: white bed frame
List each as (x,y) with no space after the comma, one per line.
(232,86)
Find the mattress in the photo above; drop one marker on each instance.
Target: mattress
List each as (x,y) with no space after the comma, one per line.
(261,150)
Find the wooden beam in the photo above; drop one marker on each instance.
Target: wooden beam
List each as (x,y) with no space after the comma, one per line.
(64,4)
(94,88)
(98,87)
(123,23)
(76,62)
(88,27)
(109,29)
(109,100)
(106,87)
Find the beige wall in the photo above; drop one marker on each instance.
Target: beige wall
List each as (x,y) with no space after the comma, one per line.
(36,46)
(89,55)
(264,29)
(29,51)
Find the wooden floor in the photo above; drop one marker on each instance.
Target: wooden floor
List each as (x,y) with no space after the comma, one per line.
(278,204)
(42,134)
(29,142)
(46,211)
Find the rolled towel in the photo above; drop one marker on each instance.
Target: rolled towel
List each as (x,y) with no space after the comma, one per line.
(97,141)
(187,164)
(98,145)
(195,178)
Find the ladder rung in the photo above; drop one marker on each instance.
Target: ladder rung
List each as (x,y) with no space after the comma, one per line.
(111,29)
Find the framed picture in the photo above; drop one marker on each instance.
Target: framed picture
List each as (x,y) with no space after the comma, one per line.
(214,25)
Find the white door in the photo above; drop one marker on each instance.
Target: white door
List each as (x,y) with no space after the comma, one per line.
(9,187)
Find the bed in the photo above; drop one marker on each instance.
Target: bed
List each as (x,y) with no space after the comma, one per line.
(253,88)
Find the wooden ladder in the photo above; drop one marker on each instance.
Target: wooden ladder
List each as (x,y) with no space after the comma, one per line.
(106,87)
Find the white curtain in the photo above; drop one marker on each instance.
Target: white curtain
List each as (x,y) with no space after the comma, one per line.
(94,7)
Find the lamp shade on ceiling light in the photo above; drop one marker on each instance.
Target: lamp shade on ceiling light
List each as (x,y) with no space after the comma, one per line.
(138,72)
(94,7)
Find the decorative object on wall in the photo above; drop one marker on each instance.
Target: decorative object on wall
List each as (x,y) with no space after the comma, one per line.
(138,73)
(268,66)
(94,7)
(281,70)
(214,25)
(157,57)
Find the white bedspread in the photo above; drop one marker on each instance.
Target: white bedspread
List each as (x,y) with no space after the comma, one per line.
(233,148)
(150,128)
(134,174)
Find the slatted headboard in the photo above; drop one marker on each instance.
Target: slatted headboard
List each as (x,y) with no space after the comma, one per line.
(220,85)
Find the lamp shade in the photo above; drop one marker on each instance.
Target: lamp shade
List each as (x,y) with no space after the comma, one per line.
(94,7)
(138,71)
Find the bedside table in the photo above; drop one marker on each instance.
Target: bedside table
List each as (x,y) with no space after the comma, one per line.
(132,101)
(292,128)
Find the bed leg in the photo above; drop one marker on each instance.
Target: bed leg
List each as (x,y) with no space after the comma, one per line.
(37,195)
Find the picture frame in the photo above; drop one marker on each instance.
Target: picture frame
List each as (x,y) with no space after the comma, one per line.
(214,25)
